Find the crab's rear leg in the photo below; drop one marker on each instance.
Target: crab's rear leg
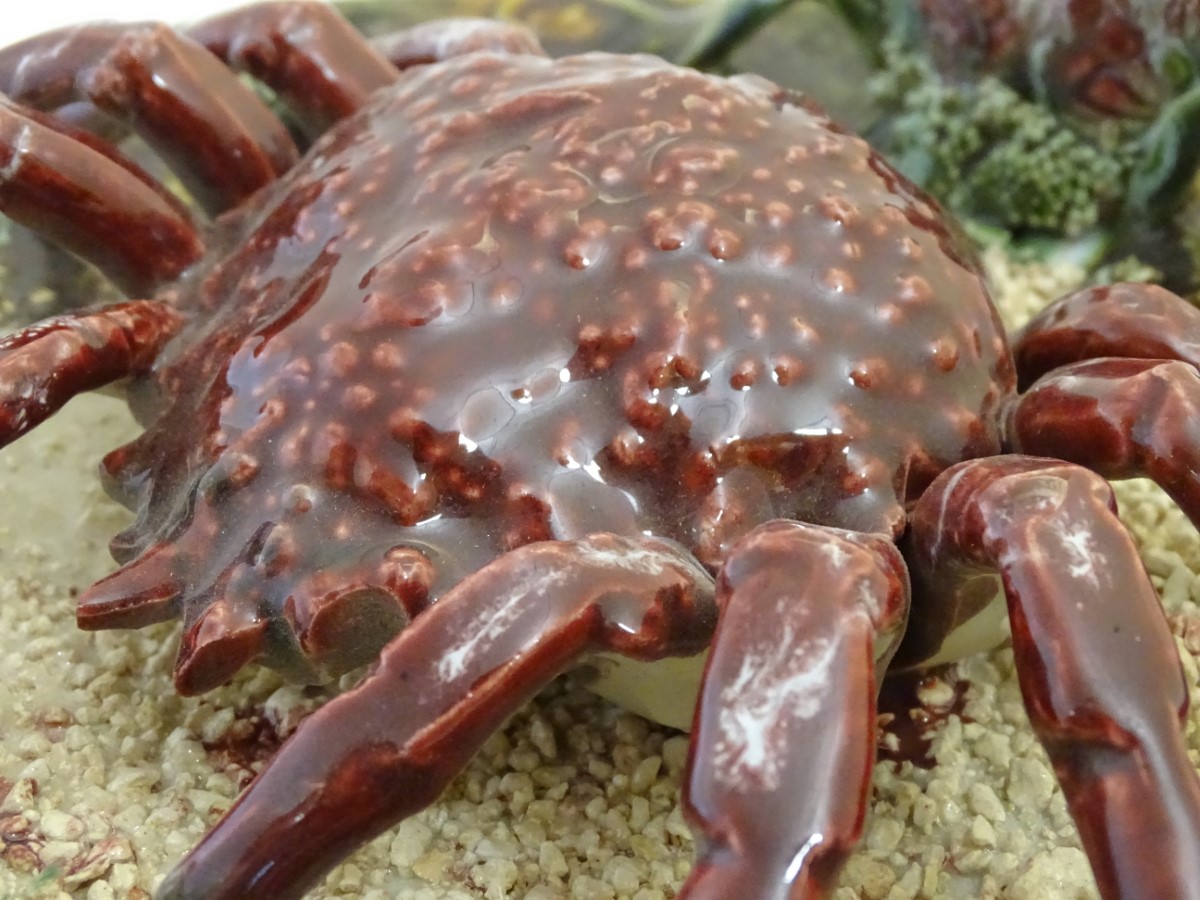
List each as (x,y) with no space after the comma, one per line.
(388,748)
(779,769)
(442,39)
(217,135)
(323,69)
(1095,660)
(304,51)
(1115,375)
(89,202)
(92,203)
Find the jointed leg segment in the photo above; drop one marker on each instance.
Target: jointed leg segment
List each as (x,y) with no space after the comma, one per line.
(1096,662)
(1115,386)
(47,364)
(784,739)
(221,140)
(304,51)
(88,203)
(443,39)
(389,747)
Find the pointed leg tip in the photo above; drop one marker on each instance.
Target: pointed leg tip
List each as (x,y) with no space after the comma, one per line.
(214,649)
(104,606)
(351,627)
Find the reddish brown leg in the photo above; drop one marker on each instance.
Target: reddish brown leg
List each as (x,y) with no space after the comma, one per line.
(443,39)
(305,51)
(1117,388)
(388,748)
(784,739)
(1136,321)
(1095,660)
(47,364)
(92,205)
(213,130)
(1123,418)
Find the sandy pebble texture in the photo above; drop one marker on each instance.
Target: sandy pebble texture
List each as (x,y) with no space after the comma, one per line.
(107,777)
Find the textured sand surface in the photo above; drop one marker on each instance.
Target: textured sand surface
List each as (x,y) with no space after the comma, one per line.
(107,777)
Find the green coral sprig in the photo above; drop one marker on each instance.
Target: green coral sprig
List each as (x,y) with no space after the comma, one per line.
(989,153)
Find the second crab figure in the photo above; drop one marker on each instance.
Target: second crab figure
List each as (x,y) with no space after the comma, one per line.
(527,360)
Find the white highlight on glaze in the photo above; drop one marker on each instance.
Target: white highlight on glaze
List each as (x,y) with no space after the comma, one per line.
(629,557)
(19,151)
(493,621)
(833,551)
(534,589)
(797,863)
(947,493)
(776,684)
(1080,547)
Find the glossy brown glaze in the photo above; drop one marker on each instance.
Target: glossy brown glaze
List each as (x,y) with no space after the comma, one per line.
(218,135)
(444,39)
(1141,419)
(1095,658)
(344,776)
(696,339)
(58,358)
(306,52)
(518,357)
(779,767)
(95,204)
(1136,321)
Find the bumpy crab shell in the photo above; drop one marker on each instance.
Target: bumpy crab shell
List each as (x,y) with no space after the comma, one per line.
(593,352)
(463,323)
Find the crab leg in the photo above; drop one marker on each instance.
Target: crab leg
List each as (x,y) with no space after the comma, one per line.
(212,129)
(1096,662)
(1136,321)
(387,748)
(1140,419)
(304,51)
(1120,365)
(443,39)
(784,739)
(91,204)
(47,364)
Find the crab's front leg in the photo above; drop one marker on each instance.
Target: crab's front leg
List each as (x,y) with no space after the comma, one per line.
(45,365)
(388,748)
(779,769)
(1095,659)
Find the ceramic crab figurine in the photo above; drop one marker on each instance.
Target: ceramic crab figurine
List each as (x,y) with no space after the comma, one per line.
(527,360)
(1108,58)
